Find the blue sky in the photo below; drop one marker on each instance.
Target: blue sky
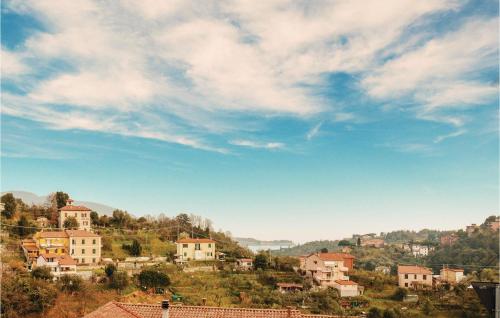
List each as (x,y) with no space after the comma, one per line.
(275,119)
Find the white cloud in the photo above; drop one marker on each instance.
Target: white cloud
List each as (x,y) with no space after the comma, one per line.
(314,131)
(12,64)
(257,144)
(179,70)
(442,138)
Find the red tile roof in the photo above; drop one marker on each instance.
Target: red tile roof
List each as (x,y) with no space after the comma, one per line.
(413,269)
(66,260)
(334,256)
(345,282)
(195,240)
(52,234)
(124,310)
(81,233)
(75,208)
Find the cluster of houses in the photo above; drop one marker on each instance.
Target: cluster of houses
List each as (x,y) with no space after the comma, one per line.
(419,277)
(64,250)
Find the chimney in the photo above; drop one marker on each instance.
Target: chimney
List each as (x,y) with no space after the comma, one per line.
(164,309)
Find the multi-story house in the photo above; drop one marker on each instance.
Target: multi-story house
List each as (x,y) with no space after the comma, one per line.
(30,251)
(331,270)
(412,276)
(52,242)
(451,275)
(58,264)
(80,213)
(84,246)
(418,249)
(197,249)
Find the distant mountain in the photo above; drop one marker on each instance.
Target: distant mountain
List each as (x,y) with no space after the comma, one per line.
(247,241)
(32,198)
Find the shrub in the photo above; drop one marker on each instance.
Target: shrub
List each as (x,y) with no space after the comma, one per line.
(71,283)
(153,278)
(109,269)
(42,272)
(119,280)
(399,294)
(374,312)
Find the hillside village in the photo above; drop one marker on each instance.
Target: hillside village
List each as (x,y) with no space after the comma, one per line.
(119,263)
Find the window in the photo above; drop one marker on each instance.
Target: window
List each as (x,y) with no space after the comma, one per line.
(415,276)
(93,251)
(209,245)
(93,241)
(315,262)
(197,246)
(65,215)
(406,284)
(83,251)
(93,260)
(83,241)
(425,277)
(72,251)
(73,242)
(83,260)
(185,254)
(184,246)
(406,276)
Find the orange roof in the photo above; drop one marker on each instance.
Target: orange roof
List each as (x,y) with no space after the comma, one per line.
(195,240)
(413,269)
(49,255)
(345,282)
(75,208)
(52,234)
(81,233)
(66,260)
(124,310)
(334,256)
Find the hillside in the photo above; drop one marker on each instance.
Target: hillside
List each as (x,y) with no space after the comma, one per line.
(307,248)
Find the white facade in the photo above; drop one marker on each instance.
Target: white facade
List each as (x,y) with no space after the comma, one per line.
(195,250)
(58,264)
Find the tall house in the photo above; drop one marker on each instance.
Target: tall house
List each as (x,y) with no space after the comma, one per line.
(49,242)
(80,213)
(195,249)
(84,246)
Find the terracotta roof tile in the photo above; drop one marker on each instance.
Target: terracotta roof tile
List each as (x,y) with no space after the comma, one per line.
(195,240)
(124,310)
(75,208)
(413,269)
(345,282)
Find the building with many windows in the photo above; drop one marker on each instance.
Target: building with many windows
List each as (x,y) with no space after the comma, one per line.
(80,213)
(84,246)
(412,276)
(196,249)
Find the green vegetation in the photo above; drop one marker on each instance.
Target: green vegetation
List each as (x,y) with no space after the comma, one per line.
(71,223)
(10,205)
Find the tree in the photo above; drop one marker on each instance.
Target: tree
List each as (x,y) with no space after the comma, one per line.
(427,307)
(70,283)
(71,223)
(109,269)
(399,294)
(60,199)
(389,313)
(324,250)
(135,248)
(358,242)
(10,205)
(42,272)
(261,261)
(374,312)
(120,218)
(24,228)
(152,278)
(23,296)
(94,217)
(119,280)
(344,243)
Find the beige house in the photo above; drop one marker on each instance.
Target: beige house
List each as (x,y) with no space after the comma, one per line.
(84,246)
(244,264)
(347,288)
(451,275)
(58,264)
(80,213)
(412,276)
(197,249)
(374,242)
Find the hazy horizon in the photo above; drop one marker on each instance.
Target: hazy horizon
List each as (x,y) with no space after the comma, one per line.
(286,120)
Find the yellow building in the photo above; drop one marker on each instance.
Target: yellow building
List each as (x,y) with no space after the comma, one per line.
(195,249)
(52,242)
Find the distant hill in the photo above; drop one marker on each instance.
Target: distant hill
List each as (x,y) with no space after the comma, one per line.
(307,248)
(32,198)
(247,241)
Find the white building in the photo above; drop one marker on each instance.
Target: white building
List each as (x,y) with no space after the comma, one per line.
(58,264)
(418,250)
(197,249)
(244,264)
